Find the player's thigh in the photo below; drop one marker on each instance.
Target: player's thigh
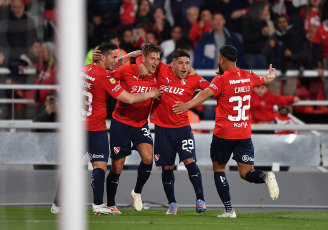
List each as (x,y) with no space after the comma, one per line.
(243,152)
(184,143)
(164,153)
(98,146)
(221,150)
(146,152)
(119,139)
(143,142)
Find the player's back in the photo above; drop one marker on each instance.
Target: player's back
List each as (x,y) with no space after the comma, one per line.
(97,84)
(133,114)
(233,90)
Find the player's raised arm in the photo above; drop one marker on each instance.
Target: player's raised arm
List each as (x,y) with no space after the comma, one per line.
(181,107)
(133,98)
(271,76)
(122,60)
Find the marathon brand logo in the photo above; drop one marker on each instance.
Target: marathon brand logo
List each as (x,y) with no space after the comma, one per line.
(171,89)
(141,89)
(117,88)
(85,76)
(117,149)
(247,158)
(232,82)
(156,157)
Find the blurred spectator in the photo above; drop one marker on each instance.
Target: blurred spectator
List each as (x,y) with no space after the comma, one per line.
(161,26)
(104,16)
(185,45)
(21,33)
(166,5)
(321,40)
(203,25)
(127,12)
(49,114)
(192,16)
(233,11)
(50,14)
(151,37)
(3,93)
(311,14)
(127,39)
(262,103)
(143,15)
(179,9)
(255,34)
(168,46)
(282,118)
(112,37)
(285,50)
(4,16)
(207,50)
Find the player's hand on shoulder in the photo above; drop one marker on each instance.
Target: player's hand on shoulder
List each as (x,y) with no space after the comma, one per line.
(96,55)
(143,72)
(179,107)
(191,71)
(135,53)
(157,93)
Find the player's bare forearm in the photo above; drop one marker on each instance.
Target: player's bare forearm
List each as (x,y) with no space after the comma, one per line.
(122,60)
(180,107)
(271,76)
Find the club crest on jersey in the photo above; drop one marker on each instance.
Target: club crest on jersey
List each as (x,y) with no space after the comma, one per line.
(117,149)
(112,80)
(156,157)
(183,82)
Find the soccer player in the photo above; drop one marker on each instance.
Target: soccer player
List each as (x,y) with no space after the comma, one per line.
(173,133)
(129,123)
(232,133)
(98,85)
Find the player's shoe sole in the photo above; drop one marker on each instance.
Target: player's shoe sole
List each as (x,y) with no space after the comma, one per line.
(271,182)
(137,201)
(231,214)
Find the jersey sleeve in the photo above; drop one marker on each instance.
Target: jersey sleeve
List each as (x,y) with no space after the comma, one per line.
(216,85)
(117,74)
(201,82)
(112,86)
(257,80)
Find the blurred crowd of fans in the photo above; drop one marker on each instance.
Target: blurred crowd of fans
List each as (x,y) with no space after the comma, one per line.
(290,34)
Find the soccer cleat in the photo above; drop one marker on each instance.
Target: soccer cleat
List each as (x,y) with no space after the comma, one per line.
(137,202)
(231,214)
(173,209)
(271,182)
(200,206)
(55,209)
(102,209)
(115,208)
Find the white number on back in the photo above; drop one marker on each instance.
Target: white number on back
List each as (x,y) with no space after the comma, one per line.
(240,108)
(88,100)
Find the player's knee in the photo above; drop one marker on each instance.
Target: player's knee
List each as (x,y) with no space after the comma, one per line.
(242,175)
(148,159)
(100,164)
(188,161)
(168,167)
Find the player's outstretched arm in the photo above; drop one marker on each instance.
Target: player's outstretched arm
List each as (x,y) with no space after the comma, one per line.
(133,98)
(122,60)
(180,107)
(271,76)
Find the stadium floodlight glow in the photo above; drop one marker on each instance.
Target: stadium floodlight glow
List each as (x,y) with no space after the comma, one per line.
(71,38)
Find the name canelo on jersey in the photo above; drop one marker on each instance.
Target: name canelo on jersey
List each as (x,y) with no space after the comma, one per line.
(171,89)
(141,89)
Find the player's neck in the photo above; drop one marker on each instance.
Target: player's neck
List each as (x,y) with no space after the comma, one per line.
(101,64)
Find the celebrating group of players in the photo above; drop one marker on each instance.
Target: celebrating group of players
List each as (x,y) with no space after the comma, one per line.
(164,93)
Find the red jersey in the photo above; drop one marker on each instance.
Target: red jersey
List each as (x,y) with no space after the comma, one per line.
(233,92)
(285,120)
(136,114)
(97,85)
(262,107)
(312,19)
(176,89)
(321,37)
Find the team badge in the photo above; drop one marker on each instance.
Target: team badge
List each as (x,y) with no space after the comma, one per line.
(156,157)
(183,82)
(112,80)
(117,149)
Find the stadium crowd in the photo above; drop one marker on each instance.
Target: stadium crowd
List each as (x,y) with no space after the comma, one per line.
(290,34)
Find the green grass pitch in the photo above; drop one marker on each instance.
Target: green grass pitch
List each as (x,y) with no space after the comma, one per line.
(14,218)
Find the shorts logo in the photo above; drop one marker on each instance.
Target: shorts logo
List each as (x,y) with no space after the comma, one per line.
(156,157)
(94,156)
(117,149)
(246,158)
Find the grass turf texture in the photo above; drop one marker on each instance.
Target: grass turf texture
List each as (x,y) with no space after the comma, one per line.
(14,218)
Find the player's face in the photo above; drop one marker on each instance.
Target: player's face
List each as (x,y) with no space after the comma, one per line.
(181,66)
(151,61)
(111,60)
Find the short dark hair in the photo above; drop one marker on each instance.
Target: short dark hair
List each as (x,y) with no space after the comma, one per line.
(180,53)
(229,52)
(106,48)
(149,48)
